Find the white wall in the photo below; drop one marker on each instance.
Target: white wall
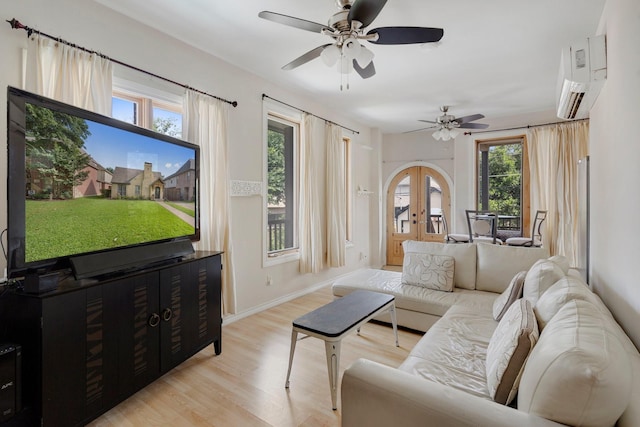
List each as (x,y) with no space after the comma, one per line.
(93,26)
(615,169)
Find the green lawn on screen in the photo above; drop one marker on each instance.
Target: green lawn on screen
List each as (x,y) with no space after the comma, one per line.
(65,227)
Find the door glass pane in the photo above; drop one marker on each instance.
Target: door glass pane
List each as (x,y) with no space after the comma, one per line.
(402,203)
(433,205)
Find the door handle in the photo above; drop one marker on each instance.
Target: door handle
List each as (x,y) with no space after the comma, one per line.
(154,320)
(166,314)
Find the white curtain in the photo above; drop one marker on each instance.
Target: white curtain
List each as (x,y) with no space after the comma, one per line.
(554,152)
(206,124)
(310,238)
(336,196)
(68,74)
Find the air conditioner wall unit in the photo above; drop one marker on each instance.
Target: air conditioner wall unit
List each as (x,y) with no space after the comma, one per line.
(583,71)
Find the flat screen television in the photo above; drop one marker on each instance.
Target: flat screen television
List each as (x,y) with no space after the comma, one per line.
(85,185)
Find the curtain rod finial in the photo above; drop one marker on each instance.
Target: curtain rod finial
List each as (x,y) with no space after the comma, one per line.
(235,104)
(15,24)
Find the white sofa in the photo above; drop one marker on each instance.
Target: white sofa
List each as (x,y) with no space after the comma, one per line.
(555,357)
(482,271)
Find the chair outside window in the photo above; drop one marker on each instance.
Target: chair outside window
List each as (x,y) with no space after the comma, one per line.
(453,237)
(535,240)
(483,226)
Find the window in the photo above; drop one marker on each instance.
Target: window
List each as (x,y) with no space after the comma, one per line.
(283,136)
(161,116)
(138,193)
(502,183)
(282,180)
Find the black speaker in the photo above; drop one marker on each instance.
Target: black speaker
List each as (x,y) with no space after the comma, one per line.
(10,386)
(39,283)
(101,263)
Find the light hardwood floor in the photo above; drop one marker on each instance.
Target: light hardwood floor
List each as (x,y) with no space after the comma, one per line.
(244,386)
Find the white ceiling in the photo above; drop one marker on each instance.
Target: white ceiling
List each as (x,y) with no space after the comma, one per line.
(499,58)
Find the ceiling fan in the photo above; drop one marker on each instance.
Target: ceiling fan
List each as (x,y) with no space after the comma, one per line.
(447,124)
(347,28)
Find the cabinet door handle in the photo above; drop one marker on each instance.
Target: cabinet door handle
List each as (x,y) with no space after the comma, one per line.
(166,314)
(154,320)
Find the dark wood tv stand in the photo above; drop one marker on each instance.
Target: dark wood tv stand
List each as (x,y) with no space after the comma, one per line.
(90,344)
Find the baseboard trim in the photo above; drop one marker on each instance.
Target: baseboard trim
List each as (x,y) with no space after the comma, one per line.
(230,318)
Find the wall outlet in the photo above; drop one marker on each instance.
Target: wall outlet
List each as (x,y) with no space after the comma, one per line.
(269,281)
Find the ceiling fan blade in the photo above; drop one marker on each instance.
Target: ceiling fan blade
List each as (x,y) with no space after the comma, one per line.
(366,72)
(303,59)
(428,121)
(470,118)
(406,35)
(473,126)
(421,129)
(365,11)
(291,21)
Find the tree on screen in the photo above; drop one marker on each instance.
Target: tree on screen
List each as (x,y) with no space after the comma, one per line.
(55,151)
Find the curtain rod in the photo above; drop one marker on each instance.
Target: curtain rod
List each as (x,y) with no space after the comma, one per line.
(17,25)
(264,95)
(526,127)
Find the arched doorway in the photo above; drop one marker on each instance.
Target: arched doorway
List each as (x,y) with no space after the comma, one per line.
(417,199)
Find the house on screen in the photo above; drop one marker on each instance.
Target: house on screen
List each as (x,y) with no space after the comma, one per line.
(181,186)
(98,181)
(137,183)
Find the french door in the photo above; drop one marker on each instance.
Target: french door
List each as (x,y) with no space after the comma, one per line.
(417,200)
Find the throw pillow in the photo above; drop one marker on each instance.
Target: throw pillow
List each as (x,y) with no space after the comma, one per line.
(509,296)
(540,277)
(509,349)
(464,255)
(428,270)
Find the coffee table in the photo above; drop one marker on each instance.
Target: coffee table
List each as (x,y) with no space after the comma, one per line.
(333,321)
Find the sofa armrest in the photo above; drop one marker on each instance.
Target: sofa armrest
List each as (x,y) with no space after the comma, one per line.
(377,395)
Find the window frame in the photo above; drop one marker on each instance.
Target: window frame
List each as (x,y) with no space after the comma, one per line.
(275,111)
(161,95)
(525,199)
(348,191)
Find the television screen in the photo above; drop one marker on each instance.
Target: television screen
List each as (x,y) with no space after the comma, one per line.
(82,183)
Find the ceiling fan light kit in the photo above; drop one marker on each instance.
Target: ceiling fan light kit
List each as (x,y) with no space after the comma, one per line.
(445,134)
(347,29)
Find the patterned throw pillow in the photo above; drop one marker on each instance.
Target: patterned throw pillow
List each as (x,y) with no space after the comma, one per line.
(509,349)
(509,296)
(428,270)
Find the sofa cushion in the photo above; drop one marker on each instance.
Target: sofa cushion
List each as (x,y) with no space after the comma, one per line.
(428,270)
(463,253)
(509,349)
(453,351)
(509,296)
(540,277)
(498,264)
(562,262)
(413,298)
(579,372)
(564,290)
